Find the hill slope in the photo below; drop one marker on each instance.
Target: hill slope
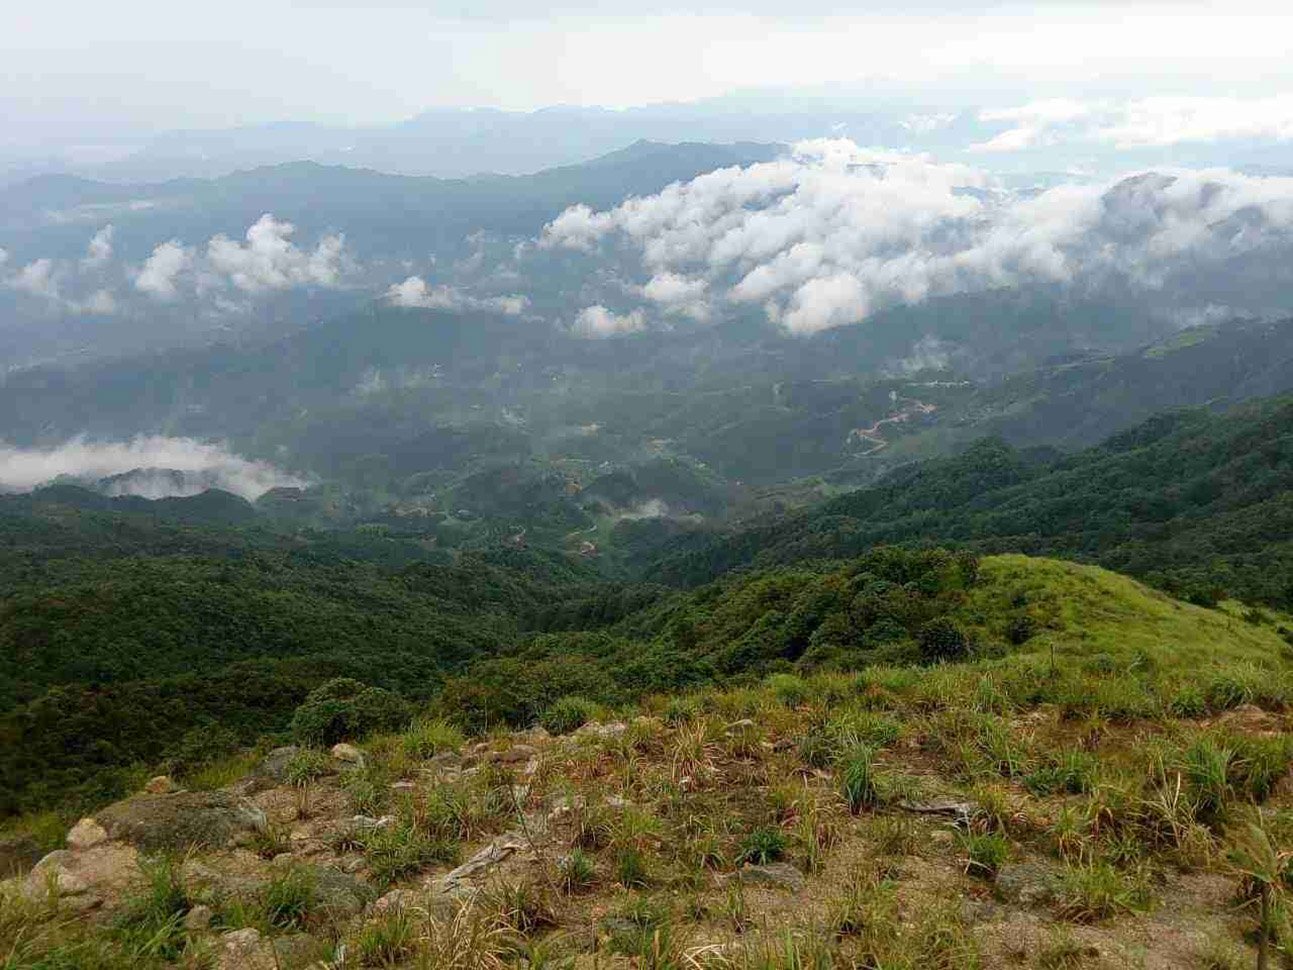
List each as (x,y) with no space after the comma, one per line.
(1201,503)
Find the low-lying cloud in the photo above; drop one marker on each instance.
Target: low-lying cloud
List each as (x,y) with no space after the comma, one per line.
(835,232)
(201,465)
(415,292)
(1156,122)
(598,321)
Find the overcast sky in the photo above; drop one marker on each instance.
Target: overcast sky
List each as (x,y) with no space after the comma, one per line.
(85,70)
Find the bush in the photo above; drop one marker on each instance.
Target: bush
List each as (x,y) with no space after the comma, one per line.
(789,690)
(857,780)
(763,845)
(1020,629)
(568,714)
(987,851)
(345,708)
(429,736)
(942,640)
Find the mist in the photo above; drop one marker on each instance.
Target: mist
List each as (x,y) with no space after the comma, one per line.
(200,466)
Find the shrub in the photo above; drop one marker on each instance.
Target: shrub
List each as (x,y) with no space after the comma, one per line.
(631,868)
(789,690)
(1097,891)
(857,778)
(578,872)
(388,940)
(1020,629)
(763,845)
(429,736)
(288,899)
(568,714)
(987,851)
(345,708)
(942,640)
(307,765)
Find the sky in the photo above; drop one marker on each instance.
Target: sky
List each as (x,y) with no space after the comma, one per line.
(83,72)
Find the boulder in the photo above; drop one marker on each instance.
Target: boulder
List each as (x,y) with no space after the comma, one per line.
(161,785)
(86,834)
(83,880)
(198,919)
(244,950)
(594,729)
(395,901)
(1027,883)
(348,754)
(181,820)
(270,773)
(300,950)
(338,894)
(517,754)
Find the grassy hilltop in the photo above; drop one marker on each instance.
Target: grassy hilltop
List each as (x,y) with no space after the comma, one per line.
(906,760)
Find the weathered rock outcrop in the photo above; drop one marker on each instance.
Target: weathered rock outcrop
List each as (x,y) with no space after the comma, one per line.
(181,820)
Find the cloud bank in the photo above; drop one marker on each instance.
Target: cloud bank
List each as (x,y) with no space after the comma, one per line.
(835,232)
(201,465)
(1155,122)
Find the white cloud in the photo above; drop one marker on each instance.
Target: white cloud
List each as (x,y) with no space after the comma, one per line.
(926,124)
(202,465)
(270,261)
(1155,122)
(597,321)
(679,294)
(414,292)
(102,302)
(4,255)
(835,232)
(37,278)
(99,250)
(162,270)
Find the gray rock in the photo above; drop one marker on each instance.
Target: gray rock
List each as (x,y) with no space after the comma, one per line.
(198,919)
(299,950)
(181,820)
(348,754)
(779,875)
(517,754)
(270,773)
(1027,883)
(85,834)
(339,894)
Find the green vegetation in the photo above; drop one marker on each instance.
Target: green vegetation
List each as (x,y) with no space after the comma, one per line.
(1196,503)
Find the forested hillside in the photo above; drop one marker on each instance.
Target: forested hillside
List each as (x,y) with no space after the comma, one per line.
(1198,503)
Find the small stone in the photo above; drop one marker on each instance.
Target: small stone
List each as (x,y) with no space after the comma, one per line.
(161,785)
(283,859)
(198,919)
(239,943)
(780,875)
(394,901)
(404,786)
(348,753)
(615,801)
(86,834)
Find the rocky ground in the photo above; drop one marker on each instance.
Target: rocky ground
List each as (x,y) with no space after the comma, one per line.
(679,838)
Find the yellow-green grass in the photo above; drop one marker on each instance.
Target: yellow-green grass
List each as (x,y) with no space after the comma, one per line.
(1083,611)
